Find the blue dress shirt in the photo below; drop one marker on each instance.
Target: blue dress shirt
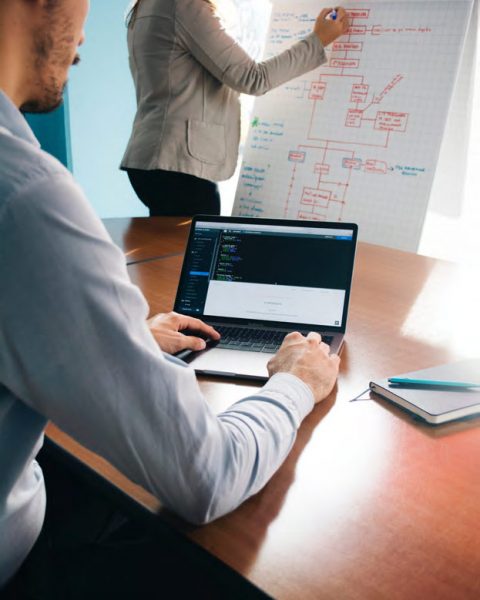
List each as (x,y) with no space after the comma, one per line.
(75,348)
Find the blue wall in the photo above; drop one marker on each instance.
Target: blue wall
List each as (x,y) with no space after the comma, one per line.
(102,107)
(53,132)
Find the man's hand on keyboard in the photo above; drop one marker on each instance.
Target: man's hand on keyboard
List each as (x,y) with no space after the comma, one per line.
(310,360)
(167,330)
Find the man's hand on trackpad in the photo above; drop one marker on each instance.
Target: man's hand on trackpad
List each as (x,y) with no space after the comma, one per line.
(169,332)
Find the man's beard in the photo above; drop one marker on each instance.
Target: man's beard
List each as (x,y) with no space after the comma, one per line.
(49,94)
(51,98)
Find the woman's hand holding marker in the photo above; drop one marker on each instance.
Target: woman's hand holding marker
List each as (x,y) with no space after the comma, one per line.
(331,24)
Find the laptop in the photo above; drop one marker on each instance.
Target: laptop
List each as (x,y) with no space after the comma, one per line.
(256,280)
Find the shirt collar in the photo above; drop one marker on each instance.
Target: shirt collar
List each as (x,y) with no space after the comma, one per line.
(13,121)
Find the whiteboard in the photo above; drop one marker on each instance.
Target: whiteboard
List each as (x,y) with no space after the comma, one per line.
(359,138)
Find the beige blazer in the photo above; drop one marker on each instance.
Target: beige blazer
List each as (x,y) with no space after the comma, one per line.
(188,74)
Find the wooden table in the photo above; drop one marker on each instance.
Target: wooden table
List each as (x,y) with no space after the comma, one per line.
(149,238)
(370,503)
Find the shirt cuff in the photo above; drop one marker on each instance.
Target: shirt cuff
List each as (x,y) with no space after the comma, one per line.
(296,393)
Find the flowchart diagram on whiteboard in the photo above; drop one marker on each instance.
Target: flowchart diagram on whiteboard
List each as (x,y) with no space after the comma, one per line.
(358,139)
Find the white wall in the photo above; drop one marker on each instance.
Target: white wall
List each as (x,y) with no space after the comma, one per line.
(455,234)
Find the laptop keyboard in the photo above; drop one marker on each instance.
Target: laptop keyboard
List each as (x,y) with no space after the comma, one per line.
(254,340)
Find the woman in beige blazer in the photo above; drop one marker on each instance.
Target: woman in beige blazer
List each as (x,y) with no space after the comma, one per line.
(188,74)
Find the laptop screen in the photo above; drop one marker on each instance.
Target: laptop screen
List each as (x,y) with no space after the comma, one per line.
(268,271)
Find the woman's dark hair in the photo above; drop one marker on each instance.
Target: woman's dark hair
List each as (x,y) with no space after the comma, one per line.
(133,11)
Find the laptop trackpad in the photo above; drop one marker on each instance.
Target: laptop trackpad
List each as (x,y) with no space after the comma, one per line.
(233,363)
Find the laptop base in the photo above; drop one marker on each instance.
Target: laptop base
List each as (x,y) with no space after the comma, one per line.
(239,364)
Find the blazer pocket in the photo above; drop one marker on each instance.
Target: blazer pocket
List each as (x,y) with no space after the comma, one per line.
(206,142)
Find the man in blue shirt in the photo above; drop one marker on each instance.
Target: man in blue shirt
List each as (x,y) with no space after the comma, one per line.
(75,345)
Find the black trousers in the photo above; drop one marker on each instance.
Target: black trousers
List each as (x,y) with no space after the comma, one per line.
(90,547)
(169,194)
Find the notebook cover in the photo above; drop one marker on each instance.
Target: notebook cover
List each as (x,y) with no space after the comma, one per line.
(436,404)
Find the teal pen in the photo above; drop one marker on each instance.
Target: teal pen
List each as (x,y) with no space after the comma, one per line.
(454,384)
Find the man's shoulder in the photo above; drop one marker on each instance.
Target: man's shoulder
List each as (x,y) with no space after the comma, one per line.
(23,165)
